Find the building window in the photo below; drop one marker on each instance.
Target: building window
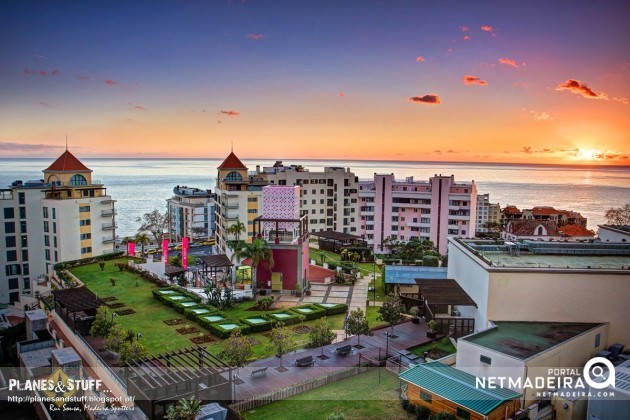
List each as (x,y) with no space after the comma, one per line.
(252,199)
(598,337)
(23,226)
(234,176)
(24,241)
(9,213)
(426,397)
(22,212)
(46,240)
(85,222)
(54,227)
(47,254)
(14,284)
(21,198)
(12,255)
(463,414)
(54,213)
(25,255)
(84,209)
(46,226)
(10,241)
(77,180)
(485,359)
(86,250)
(27,283)
(25,269)
(252,211)
(12,269)
(86,236)
(55,241)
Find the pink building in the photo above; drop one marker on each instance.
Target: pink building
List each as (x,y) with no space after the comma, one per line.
(434,209)
(287,235)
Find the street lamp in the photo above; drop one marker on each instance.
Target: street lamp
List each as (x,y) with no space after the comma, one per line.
(386,344)
(138,335)
(113,315)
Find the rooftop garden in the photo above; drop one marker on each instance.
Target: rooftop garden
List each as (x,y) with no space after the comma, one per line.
(180,323)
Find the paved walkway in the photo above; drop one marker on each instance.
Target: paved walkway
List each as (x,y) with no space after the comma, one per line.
(409,335)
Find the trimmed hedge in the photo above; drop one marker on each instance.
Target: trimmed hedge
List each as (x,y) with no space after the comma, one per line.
(188,312)
(317,312)
(260,326)
(206,324)
(216,329)
(292,319)
(339,308)
(89,260)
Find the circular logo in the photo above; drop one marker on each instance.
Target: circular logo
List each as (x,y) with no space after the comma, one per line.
(595,375)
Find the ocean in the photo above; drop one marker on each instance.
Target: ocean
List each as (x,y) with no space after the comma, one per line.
(142,185)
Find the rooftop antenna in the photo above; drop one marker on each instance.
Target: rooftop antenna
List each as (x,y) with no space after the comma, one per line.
(232,147)
(66,142)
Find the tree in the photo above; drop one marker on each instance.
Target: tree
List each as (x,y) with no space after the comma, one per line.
(184,410)
(116,337)
(103,322)
(282,341)
(130,350)
(153,222)
(618,216)
(142,239)
(321,334)
(322,256)
(236,229)
(391,311)
(101,264)
(237,349)
(198,231)
(357,325)
(260,253)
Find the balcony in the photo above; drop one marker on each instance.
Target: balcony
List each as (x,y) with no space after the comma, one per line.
(108,201)
(232,206)
(109,212)
(109,240)
(110,226)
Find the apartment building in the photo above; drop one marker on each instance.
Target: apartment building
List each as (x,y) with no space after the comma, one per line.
(238,199)
(328,198)
(191,213)
(544,213)
(64,216)
(435,209)
(487,212)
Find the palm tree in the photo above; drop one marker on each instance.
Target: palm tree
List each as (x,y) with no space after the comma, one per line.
(259,252)
(142,239)
(184,410)
(236,229)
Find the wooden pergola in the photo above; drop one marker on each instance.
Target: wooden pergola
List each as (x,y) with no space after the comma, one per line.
(213,264)
(330,240)
(77,307)
(161,380)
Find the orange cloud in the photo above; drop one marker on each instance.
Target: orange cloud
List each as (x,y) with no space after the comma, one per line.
(541,115)
(487,28)
(342,94)
(466,38)
(230,113)
(508,62)
(111,82)
(431,99)
(420,59)
(473,80)
(255,37)
(579,88)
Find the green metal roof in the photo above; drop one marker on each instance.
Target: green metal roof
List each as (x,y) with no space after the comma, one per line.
(457,386)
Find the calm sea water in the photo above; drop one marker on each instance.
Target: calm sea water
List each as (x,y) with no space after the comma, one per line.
(141,185)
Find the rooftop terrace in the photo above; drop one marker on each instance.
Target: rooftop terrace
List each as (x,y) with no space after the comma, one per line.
(559,255)
(526,339)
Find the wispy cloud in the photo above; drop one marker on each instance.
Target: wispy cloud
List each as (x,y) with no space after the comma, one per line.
(255,37)
(431,99)
(110,82)
(230,113)
(579,88)
(541,115)
(466,38)
(508,62)
(27,147)
(419,59)
(45,104)
(136,106)
(624,101)
(342,94)
(54,72)
(527,149)
(464,28)
(42,73)
(487,28)
(82,77)
(473,80)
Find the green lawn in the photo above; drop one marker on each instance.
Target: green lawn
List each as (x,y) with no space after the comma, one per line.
(358,397)
(158,337)
(365,268)
(372,317)
(444,344)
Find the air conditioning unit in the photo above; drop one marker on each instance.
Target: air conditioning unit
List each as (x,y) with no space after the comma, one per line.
(532,411)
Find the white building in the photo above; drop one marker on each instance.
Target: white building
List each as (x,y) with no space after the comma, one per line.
(614,233)
(328,198)
(486,212)
(191,213)
(545,282)
(436,209)
(65,216)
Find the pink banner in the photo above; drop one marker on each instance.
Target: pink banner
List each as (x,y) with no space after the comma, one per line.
(185,252)
(165,251)
(131,249)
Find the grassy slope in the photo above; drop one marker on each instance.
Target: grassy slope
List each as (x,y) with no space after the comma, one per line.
(358,397)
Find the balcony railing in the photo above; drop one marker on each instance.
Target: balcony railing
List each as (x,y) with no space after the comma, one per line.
(110,226)
(109,240)
(109,212)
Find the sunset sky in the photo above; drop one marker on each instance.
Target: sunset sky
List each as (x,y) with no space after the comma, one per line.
(535,82)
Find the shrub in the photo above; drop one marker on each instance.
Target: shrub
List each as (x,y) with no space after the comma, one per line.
(260,326)
(112,281)
(432,325)
(90,260)
(264,303)
(190,314)
(292,319)
(422,412)
(101,264)
(414,311)
(216,329)
(206,324)
(405,404)
(430,261)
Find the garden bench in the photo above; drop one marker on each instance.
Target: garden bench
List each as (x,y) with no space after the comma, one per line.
(261,370)
(305,361)
(344,350)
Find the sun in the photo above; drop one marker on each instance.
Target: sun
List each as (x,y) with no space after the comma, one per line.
(588,154)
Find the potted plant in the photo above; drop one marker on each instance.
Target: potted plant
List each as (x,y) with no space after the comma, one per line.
(298,290)
(432,332)
(414,311)
(307,291)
